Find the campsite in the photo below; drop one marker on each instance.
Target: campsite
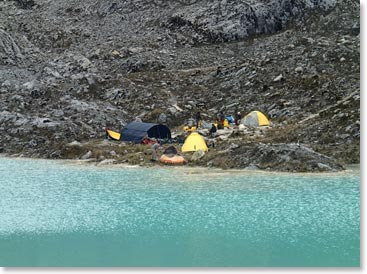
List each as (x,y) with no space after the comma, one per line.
(231,146)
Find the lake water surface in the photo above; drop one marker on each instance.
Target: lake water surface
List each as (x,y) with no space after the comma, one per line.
(55,213)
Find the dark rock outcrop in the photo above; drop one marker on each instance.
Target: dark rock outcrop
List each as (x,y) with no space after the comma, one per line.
(222,21)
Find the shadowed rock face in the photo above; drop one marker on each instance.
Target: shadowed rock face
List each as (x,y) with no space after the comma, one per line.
(70,68)
(218,21)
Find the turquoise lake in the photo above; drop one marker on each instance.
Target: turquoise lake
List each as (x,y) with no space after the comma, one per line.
(58,213)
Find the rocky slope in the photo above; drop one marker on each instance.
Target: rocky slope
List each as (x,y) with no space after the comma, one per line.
(70,68)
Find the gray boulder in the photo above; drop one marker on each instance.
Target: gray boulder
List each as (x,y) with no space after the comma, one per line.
(87,155)
(197,155)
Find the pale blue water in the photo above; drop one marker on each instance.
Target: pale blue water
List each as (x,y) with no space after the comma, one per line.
(54,213)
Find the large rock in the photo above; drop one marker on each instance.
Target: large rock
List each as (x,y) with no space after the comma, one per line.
(197,155)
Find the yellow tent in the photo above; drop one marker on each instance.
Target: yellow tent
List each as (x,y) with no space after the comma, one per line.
(255,119)
(194,142)
(113,135)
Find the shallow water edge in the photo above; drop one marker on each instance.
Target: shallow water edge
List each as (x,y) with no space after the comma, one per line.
(184,168)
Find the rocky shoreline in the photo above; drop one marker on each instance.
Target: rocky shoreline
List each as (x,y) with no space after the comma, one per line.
(68,69)
(227,154)
(281,157)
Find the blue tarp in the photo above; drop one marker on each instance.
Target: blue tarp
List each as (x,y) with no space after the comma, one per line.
(136,131)
(230,119)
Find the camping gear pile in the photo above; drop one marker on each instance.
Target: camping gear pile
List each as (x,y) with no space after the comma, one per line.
(251,120)
(190,125)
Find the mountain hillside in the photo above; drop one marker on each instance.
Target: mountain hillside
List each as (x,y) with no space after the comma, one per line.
(70,68)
